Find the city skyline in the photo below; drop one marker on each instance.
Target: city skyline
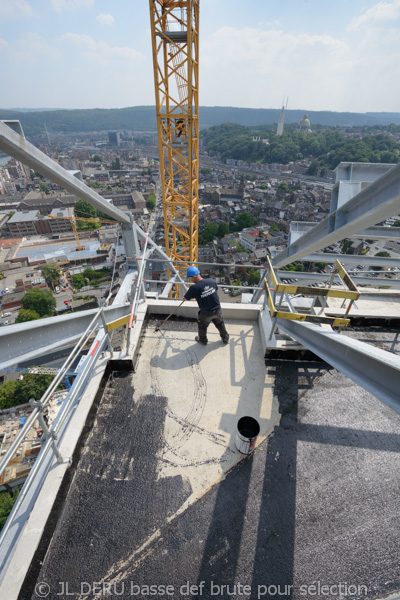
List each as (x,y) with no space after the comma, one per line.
(93,54)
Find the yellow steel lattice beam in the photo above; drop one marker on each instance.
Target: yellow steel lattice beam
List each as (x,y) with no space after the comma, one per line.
(175,42)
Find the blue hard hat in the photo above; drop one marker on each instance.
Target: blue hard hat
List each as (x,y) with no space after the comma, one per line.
(192,271)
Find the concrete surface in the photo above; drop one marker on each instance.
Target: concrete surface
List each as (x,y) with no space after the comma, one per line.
(161,497)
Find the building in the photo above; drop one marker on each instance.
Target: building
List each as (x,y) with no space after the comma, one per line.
(24,223)
(249,241)
(114,138)
(305,125)
(46,203)
(60,220)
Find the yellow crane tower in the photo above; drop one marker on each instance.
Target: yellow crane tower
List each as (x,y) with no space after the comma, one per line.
(175,41)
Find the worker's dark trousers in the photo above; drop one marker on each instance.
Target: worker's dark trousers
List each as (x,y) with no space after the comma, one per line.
(204,319)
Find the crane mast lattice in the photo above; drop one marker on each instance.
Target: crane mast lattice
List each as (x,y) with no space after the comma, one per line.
(175,41)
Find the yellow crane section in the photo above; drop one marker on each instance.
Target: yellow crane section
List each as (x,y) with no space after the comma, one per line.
(74,229)
(175,42)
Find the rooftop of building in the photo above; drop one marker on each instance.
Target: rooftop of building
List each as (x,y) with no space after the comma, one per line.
(23,216)
(158,494)
(52,251)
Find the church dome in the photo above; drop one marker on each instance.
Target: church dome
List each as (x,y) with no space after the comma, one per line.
(305,123)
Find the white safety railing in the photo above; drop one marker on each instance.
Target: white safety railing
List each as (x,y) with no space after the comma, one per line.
(50,436)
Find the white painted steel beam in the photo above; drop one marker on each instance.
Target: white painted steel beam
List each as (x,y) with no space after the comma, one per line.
(18,147)
(377,202)
(374,369)
(355,259)
(376,233)
(25,341)
(356,276)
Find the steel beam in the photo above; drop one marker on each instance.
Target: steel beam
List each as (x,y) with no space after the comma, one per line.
(356,276)
(158,250)
(377,233)
(326,257)
(25,341)
(18,147)
(374,369)
(375,203)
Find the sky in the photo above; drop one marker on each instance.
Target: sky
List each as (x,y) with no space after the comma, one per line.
(322,55)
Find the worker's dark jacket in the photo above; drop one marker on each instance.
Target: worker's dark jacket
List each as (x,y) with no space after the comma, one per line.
(205,292)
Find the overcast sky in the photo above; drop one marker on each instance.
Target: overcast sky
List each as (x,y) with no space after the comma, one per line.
(341,55)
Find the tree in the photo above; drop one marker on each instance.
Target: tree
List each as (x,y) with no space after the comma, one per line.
(44,187)
(295,266)
(245,219)
(151,201)
(254,277)
(96,158)
(208,234)
(94,275)
(223,229)
(78,281)
(43,302)
(51,274)
(27,314)
(10,394)
(274,227)
(19,391)
(283,187)
(116,165)
(1,275)
(84,209)
(396,224)
(313,168)
(34,386)
(205,171)
(7,500)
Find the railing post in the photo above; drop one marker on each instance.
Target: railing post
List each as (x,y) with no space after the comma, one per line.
(48,433)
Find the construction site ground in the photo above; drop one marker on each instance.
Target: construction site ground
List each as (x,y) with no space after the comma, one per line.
(161,497)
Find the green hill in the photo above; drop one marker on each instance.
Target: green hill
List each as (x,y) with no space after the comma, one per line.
(143,118)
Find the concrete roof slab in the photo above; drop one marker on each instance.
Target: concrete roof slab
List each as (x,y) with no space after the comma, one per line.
(207,389)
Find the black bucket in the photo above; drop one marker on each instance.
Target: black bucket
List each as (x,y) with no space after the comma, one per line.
(246,435)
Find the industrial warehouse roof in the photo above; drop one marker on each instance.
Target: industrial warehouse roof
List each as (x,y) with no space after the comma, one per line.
(50,252)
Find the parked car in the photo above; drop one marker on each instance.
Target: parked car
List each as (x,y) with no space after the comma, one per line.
(6,314)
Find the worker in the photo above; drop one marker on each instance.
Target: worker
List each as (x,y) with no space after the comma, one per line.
(205,292)
(180,127)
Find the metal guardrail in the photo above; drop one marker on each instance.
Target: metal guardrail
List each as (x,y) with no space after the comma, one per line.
(51,435)
(273,287)
(139,288)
